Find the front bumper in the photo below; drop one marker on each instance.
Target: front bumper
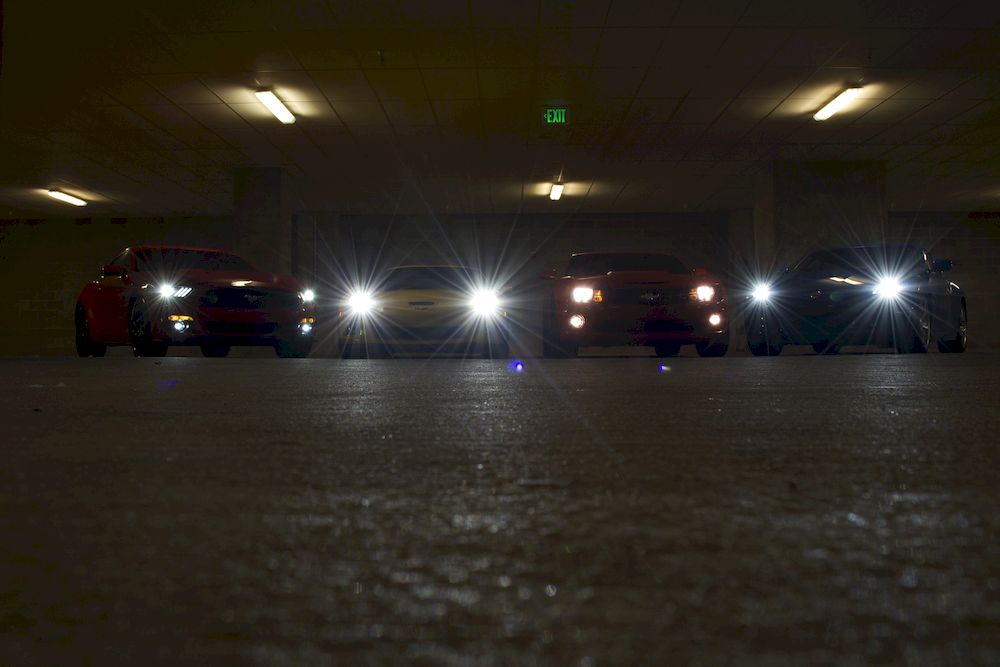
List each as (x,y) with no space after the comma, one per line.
(175,326)
(616,324)
(865,321)
(438,337)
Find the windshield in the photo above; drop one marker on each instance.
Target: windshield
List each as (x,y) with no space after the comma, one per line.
(592,265)
(430,277)
(160,259)
(863,261)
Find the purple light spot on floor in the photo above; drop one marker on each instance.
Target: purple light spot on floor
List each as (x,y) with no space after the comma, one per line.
(164,385)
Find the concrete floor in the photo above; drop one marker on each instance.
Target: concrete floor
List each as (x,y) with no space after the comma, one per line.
(788,511)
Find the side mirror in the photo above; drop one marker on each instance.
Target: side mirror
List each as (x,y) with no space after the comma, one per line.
(941,265)
(549,275)
(112,270)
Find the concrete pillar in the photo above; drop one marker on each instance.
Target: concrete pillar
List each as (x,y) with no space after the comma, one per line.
(801,205)
(262,226)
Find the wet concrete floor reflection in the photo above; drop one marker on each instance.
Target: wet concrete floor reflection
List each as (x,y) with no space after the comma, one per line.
(797,510)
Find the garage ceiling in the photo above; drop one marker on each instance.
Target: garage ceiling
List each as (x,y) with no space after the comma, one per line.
(145,108)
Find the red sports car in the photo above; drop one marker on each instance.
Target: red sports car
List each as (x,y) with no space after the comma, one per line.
(151,297)
(634,299)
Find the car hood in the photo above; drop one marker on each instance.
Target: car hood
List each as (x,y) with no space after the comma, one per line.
(252,279)
(644,278)
(825,282)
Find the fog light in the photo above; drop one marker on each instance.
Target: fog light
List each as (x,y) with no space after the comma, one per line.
(577,321)
(715,319)
(306,324)
(181,322)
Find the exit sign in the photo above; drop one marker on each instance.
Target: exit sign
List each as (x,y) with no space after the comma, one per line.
(555,115)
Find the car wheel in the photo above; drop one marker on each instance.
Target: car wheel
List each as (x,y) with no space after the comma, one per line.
(293,349)
(85,345)
(140,332)
(825,347)
(552,346)
(764,338)
(712,349)
(961,340)
(761,347)
(215,350)
(916,337)
(667,349)
(496,348)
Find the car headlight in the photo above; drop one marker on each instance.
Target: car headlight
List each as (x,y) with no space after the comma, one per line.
(361,303)
(583,294)
(485,302)
(762,292)
(704,292)
(168,291)
(307,296)
(888,288)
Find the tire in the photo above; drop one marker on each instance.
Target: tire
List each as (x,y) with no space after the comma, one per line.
(764,338)
(915,339)
(961,340)
(215,350)
(352,351)
(667,349)
(85,345)
(496,348)
(552,346)
(140,332)
(712,349)
(293,348)
(825,347)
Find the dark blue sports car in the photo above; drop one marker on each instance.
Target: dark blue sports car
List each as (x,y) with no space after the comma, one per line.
(887,295)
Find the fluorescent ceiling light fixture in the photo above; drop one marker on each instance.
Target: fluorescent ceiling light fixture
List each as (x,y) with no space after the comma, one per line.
(69,199)
(556,192)
(837,103)
(274,105)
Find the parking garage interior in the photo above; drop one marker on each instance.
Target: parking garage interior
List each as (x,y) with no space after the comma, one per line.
(616,508)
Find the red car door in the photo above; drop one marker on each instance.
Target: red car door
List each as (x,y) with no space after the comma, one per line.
(110,302)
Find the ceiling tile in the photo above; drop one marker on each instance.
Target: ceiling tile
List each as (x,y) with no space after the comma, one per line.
(344,85)
(510,13)
(451,84)
(405,83)
(315,49)
(215,115)
(506,47)
(568,47)
(506,82)
(570,13)
(708,13)
(616,82)
(181,88)
(408,111)
(290,86)
(628,47)
(625,13)
(444,49)
(457,112)
(360,113)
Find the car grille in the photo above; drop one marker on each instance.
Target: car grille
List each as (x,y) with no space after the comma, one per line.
(249,299)
(651,296)
(666,326)
(394,332)
(237,328)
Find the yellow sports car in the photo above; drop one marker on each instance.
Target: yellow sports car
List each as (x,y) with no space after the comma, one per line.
(424,309)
